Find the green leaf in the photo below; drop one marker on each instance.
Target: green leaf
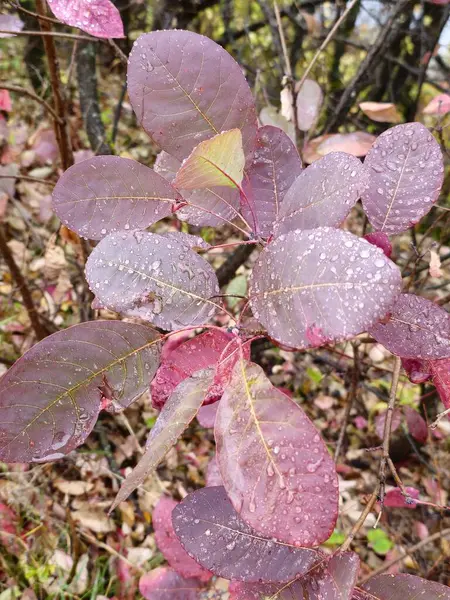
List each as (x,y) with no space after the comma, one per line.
(336,539)
(237,286)
(314,374)
(379,541)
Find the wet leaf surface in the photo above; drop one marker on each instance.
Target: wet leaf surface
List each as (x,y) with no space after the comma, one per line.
(99,18)
(165,584)
(401,587)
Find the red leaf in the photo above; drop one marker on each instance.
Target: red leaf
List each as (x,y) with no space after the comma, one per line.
(395,499)
(418,371)
(5,101)
(416,424)
(165,584)
(380,239)
(206,416)
(99,18)
(381,419)
(440,373)
(168,543)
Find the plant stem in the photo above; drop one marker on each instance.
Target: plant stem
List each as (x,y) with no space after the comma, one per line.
(350,400)
(16,273)
(31,94)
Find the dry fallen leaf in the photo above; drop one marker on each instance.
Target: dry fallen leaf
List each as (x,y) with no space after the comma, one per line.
(73,488)
(94,520)
(382,112)
(435,264)
(55,260)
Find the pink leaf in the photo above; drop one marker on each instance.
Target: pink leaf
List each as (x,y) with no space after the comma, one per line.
(319,285)
(215,535)
(360,422)
(284,458)
(276,163)
(45,146)
(406,172)
(107,193)
(213,476)
(440,373)
(401,587)
(10,23)
(357,143)
(5,100)
(382,112)
(395,499)
(416,424)
(309,101)
(439,105)
(169,544)
(333,580)
(185,88)
(417,328)
(99,18)
(418,371)
(165,584)
(206,416)
(323,194)
(381,240)
(196,353)
(380,420)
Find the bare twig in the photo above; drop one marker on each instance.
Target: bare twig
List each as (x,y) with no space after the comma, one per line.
(30,94)
(70,36)
(350,400)
(362,519)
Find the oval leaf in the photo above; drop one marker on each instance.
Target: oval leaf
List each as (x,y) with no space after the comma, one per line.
(417,426)
(440,372)
(275,468)
(323,194)
(333,580)
(382,112)
(213,533)
(406,172)
(106,193)
(417,328)
(381,240)
(276,163)
(395,499)
(439,105)
(165,584)
(178,412)
(168,542)
(50,399)
(402,587)
(207,207)
(312,287)
(144,275)
(357,143)
(309,101)
(100,18)
(218,161)
(185,88)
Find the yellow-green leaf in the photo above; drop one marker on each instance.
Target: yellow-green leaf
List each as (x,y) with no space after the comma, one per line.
(218,161)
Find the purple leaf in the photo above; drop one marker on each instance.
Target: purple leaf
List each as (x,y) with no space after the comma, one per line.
(165,584)
(275,468)
(309,101)
(312,287)
(418,371)
(168,543)
(185,88)
(333,580)
(213,533)
(106,193)
(143,275)
(323,194)
(207,415)
(208,207)
(99,18)
(50,399)
(417,328)
(10,23)
(196,353)
(395,499)
(401,587)
(380,421)
(380,239)
(276,163)
(177,413)
(406,171)
(417,426)
(213,476)
(440,372)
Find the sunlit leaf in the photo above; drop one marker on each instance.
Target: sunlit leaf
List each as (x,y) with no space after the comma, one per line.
(315,286)
(218,161)
(323,194)
(165,584)
(144,275)
(439,105)
(108,193)
(50,399)
(275,468)
(357,143)
(177,413)
(401,587)
(405,177)
(276,164)
(169,544)
(308,102)
(333,580)
(382,112)
(417,328)
(185,88)
(214,534)
(100,18)
(269,115)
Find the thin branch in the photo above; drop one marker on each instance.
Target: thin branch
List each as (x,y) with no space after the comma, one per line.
(28,178)
(362,519)
(70,36)
(17,6)
(350,401)
(30,94)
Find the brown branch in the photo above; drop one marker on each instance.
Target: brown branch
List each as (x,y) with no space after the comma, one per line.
(30,94)
(227,271)
(28,178)
(16,273)
(350,400)
(362,519)
(70,36)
